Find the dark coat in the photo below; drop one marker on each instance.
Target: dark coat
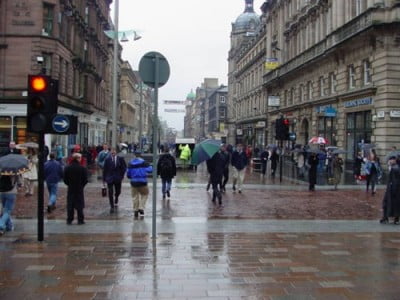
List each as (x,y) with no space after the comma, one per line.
(274,160)
(11,151)
(313,162)
(75,177)
(393,192)
(264,157)
(163,172)
(239,160)
(53,171)
(113,173)
(216,167)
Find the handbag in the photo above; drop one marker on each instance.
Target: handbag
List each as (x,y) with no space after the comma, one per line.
(104,191)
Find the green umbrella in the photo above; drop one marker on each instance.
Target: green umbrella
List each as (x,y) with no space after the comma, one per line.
(205,150)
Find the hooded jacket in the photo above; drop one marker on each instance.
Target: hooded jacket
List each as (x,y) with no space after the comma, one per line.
(137,171)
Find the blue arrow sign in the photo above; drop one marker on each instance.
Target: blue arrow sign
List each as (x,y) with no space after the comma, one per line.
(60,123)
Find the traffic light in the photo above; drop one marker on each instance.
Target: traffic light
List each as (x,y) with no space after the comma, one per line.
(42,102)
(282,129)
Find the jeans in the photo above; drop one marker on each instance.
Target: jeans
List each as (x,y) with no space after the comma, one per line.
(52,188)
(8,201)
(166,185)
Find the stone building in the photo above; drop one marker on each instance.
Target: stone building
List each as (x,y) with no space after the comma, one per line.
(189,115)
(247,110)
(64,39)
(217,112)
(339,71)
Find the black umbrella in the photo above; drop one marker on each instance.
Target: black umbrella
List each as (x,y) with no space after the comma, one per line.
(316,151)
(13,164)
(339,151)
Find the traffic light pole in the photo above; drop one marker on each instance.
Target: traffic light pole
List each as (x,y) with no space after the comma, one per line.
(40,212)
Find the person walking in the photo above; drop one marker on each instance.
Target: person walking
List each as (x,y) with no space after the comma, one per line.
(59,153)
(313,162)
(274,162)
(391,199)
(337,170)
(101,158)
(239,163)
(8,195)
(185,155)
(373,171)
(76,178)
(137,173)
(166,169)
(216,167)
(31,176)
(53,173)
(114,169)
(264,161)
(227,158)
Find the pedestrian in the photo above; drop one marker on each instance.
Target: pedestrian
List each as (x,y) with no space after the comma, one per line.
(76,178)
(77,149)
(11,149)
(227,158)
(300,160)
(166,169)
(264,161)
(8,195)
(53,173)
(358,164)
(373,171)
(274,161)
(313,162)
(101,158)
(337,170)
(31,176)
(113,173)
(137,173)
(185,155)
(239,163)
(59,153)
(391,199)
(216,167)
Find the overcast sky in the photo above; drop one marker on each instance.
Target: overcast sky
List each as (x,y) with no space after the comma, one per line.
(194,36)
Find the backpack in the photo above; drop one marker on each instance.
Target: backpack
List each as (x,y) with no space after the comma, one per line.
(6,183)
(166,166)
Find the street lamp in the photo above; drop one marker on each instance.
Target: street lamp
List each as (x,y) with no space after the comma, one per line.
(115,34)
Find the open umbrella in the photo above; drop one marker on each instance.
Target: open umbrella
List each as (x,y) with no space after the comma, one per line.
(316,151)
(339,151)
(13,164)
(318,140)
(28,145)
(392,154)
(205,150)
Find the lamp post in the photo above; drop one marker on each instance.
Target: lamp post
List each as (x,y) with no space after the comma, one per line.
(140,117)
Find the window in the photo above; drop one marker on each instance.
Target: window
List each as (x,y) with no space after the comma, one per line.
(351,77)
(309,90)
(47,64)
(321,86)
(332,83)
(301,97)
(222,99)
(48,18)
(367,72)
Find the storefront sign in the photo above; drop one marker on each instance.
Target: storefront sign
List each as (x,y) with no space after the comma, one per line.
(380,114)
(358,102)
(273,101)
(260,124)
(12,109)
(271,63)
(395,113)
(330,112)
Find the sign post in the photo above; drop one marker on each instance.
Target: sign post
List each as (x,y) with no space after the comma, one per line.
(154,71)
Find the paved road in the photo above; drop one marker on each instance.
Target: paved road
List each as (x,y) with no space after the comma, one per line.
(274,241)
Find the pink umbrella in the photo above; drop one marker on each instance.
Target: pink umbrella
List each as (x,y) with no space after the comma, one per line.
(318,140)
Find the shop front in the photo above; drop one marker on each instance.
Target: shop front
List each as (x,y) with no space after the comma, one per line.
(327,123)
(13,125)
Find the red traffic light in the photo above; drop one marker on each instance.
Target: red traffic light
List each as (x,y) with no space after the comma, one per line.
(38,83)
(286,122)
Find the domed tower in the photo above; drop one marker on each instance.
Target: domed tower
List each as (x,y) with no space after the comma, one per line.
(246,24)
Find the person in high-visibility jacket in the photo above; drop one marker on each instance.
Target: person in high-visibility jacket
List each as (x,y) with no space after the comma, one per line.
(185,153)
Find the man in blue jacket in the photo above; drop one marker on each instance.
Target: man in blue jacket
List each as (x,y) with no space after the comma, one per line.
(137,173)
(53,173)
(239,163)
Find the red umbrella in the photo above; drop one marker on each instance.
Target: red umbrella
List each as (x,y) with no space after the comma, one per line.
(318,140)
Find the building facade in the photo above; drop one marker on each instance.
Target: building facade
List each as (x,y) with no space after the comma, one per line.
(217,113)
(246,103)
(63,39)
(338,73)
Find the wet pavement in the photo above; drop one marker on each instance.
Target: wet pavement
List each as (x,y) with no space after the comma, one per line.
(273,241)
